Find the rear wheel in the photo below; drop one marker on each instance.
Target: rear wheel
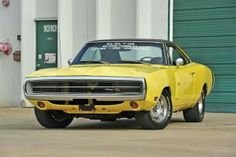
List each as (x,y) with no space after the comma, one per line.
(196,114)
(159,116)
(53,118)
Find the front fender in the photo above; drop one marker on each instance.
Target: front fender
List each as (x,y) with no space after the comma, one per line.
(155,84)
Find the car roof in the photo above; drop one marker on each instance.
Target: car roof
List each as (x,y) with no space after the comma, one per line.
(132,40)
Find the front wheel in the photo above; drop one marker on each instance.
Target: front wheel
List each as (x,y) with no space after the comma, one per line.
(53,118)
(196,114)
(159,116)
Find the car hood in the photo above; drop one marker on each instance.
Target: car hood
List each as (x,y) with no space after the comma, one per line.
(121,70)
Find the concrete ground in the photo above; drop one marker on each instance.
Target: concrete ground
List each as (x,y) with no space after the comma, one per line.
(22,136)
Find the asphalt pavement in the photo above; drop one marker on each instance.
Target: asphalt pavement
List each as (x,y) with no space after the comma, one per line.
(22,136)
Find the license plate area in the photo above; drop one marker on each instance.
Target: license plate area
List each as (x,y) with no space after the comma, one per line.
(86,107)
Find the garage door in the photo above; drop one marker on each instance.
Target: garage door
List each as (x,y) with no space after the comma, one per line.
(207,29)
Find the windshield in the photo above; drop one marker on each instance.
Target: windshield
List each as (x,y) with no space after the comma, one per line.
(120,53)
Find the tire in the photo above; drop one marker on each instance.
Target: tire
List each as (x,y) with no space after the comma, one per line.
(196,114)
(159,116)
(53,118)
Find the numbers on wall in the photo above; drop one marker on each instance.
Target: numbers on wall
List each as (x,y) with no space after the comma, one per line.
(49,28)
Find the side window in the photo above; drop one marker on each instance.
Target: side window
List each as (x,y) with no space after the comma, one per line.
(174,54)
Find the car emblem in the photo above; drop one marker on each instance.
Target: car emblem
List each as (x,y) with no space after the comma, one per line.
(112,89)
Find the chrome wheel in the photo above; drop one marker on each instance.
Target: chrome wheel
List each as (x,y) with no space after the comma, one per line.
(160,111)
(159,116)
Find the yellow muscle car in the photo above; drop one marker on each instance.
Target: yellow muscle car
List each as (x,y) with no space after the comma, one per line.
(122,78)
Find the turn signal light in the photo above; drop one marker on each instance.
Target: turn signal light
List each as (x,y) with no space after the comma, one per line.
(41,104)
(134,104)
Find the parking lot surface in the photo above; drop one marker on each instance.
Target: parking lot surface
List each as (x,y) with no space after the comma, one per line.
(22,136)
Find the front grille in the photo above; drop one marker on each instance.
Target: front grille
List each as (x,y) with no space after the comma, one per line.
(100,88)
(87,86)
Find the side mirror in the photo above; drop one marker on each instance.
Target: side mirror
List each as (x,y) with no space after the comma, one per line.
(179,62)
(69,61)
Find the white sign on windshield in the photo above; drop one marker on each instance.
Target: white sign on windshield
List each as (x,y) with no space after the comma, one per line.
(118,46)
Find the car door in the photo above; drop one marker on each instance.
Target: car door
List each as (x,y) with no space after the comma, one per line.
(184,76)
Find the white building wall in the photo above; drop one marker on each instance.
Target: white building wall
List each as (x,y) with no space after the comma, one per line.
(144,18)
(65,33)
(9,69)
(32,10)
(123,19)
(83,23)
(80,21)
(27,42)
(45,9)
(77,25)
(103,19)
(159,19)
(152,19)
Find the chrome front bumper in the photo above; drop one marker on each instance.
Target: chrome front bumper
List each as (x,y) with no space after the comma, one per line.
(66,95)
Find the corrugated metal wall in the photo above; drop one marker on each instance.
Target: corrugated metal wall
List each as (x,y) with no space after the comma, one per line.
(207,29)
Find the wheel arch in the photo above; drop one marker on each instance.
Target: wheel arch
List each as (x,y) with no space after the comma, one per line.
(205,88)
(168,89)
(203,81)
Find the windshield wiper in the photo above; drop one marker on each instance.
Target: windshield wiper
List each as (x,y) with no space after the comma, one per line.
(93,62)
(132,61)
